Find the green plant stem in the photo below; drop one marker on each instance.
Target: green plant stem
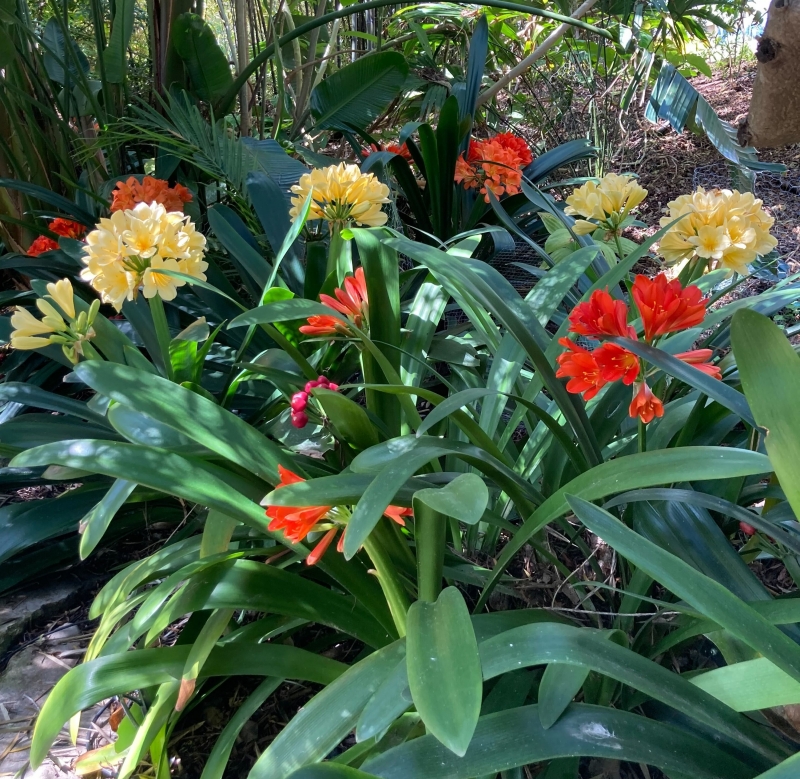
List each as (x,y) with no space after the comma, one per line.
(642,436)
(390,583)
(620,253)
(430,534)
(162,332)
(339,256)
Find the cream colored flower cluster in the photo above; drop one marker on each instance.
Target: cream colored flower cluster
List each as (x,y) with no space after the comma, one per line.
(727,227)
(127,251)
(608,201)
(342,194)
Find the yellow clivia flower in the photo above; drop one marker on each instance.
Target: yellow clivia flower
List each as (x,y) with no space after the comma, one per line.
(341,195)
(123,253)
(728,228)
(61,292)
(27,330)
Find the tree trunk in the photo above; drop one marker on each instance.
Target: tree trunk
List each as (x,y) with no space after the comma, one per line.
(774,117)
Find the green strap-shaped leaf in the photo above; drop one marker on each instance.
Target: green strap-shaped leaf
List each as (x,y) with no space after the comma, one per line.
(646,469)
(560,684)
(770,372)
(94,525)
(86,684)
(546,643)
(464,498)
(218,759)
(707,596)
(444,669)
(325,720)
(750,685)
(516,737)
(189,413)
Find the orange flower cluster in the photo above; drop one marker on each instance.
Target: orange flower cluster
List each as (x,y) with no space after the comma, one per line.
(150,190)
(298,521)
(59,226)
(664,307)
(401,149)
(350,301)
(495,164)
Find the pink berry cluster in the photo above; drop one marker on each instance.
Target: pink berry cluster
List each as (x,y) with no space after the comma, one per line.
(299,400)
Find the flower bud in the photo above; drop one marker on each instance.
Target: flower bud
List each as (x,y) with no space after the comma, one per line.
(81,322)
(93,309)
(299,419)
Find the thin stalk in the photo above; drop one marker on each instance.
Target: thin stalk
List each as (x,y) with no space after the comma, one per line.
(430,535)
(162,332)
(642,437)
(302,29)
(390,582)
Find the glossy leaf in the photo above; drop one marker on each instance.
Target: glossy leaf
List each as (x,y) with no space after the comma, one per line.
(189,413)
(197,46)
(90,682)
(358,93)
(707,596)
(465,498)
(638,470)
(770,372)
(444,670)
(515,737)
(94,525)
(328,717)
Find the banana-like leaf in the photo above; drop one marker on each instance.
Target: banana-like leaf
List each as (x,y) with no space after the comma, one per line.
(115,56)
(359,93)
(197,46)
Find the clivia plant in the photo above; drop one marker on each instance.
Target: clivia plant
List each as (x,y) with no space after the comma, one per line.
(508,461)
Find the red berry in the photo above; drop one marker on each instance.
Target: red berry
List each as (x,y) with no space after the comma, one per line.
(322,381)
(310,385)
(299,419)
(748,530)
(299,401)
(333,387)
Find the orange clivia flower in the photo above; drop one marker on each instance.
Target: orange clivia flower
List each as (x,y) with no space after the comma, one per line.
(645,404)
(297,522)
(600,315)
(351,301)
(150,190)
(467,174)
(494,165)
(582,369)
(401,149)
(665,306)
(699,358)
(67,228)
(616,363)
(41,245)
(515,144)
